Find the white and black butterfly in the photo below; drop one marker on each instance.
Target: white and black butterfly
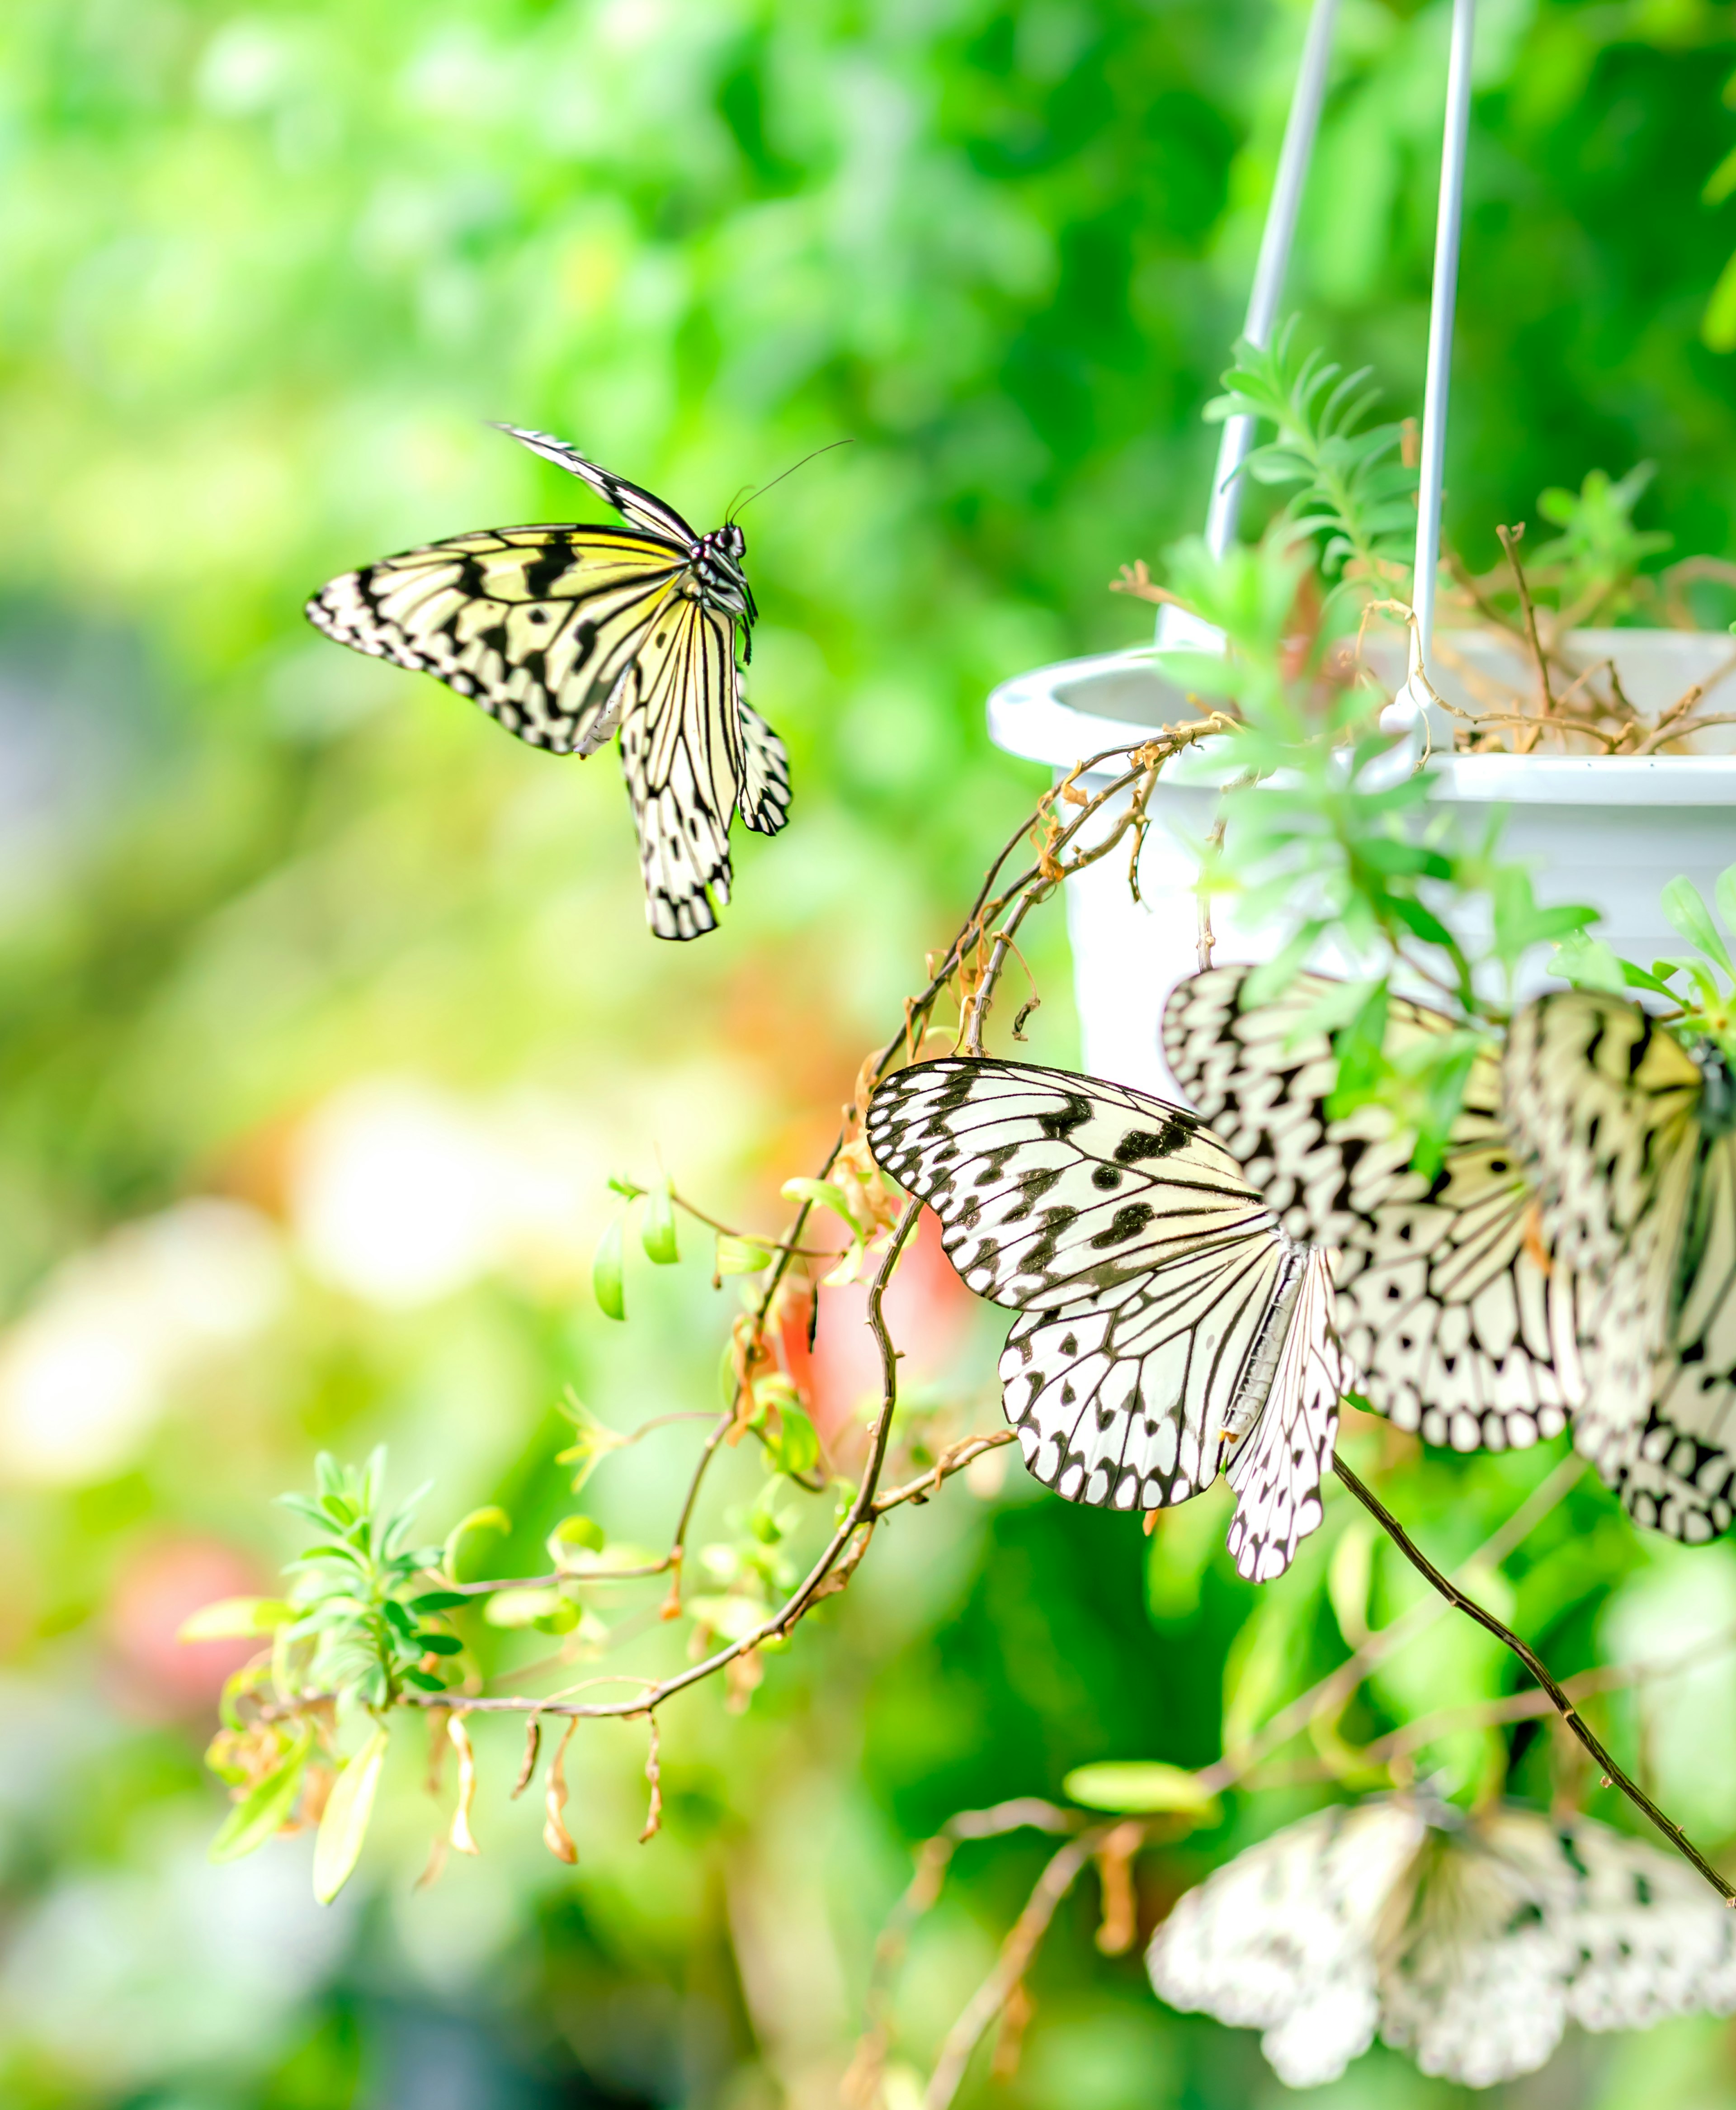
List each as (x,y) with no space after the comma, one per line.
(1460,1326)
(1469,1943)
(1167,1323)
(566,633)
(1633,1141)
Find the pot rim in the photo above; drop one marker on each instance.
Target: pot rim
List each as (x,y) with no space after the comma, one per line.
(1026,717)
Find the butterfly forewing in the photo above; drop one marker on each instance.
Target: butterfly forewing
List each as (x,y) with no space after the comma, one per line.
(566,634)
(1154,1324)
(629,499)
(1641,1201)
(1459,1327)
(1281,1939)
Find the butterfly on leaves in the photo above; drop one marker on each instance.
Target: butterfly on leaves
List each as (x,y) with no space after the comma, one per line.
(1470,1943)
(566,634)
(1166,1323)
(1462,1328)
(1632,1139)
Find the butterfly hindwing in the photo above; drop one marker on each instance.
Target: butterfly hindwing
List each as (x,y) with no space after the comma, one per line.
(1278,1466)
(1458,1326)
(1159,1304)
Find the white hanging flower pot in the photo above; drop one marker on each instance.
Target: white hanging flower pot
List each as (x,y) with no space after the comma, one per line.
(1606,830)
(1609,831)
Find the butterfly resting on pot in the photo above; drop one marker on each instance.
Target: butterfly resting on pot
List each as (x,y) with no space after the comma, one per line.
(1196,1289)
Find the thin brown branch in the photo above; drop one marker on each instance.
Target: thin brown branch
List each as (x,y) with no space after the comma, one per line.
(1016,1952)
(954,1458)
(1445,1588)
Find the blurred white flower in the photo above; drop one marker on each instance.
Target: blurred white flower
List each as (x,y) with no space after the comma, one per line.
(401,1194)
(1470,1943)
(86,1372)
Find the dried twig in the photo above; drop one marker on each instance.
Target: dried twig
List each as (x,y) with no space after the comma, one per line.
(1562,1702)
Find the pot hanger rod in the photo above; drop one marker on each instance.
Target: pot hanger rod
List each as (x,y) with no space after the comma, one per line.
(1273,260)
(1442,301)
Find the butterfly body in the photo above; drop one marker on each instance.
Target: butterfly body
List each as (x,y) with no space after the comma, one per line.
(1165,1322)
(567,634)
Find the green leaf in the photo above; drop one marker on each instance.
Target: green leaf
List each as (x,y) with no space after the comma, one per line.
(344,1825)
(657,1233)
(432,1642)
(438,1600)
(741,1256)
(265,1809)
(577,1531)
(492,1517)
(1683,905)
(608,1270)
(825,1194)
(1139,1786)
(1723,893)
(231,1618)
(731,1618)
(547,1608)
(424,1681)
(796,1448)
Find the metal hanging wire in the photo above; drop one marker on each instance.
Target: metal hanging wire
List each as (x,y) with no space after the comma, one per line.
(1174,627)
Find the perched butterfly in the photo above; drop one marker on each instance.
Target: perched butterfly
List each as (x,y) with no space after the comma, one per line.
(1167,1323)
(1633,1139)
(1469,1943)
(565,634)
(1460,1326)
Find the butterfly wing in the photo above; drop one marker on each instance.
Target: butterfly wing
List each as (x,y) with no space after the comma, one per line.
(1649,1939)
(765,786)
(1679,1478)
(1145,1270)
(1281,1939)
(1278,1465)
(1459,1329)
(634,505)
(537,625)
(1603,1104)
(1476,1952)
(682,752)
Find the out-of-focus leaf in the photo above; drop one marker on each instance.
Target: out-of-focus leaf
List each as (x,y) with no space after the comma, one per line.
(1138,1786)
(657,1231)
(731,1618)
(608,1270)
(1683,905)
(338,1845)
(265,1808)
(741,1256)
(230,1618)
(492,1517)
(548,1607)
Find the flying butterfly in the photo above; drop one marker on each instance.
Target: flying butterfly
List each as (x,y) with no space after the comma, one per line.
(1632,1137)
(1471,1943)
(1166,1325)
(566,634)
(1462,1327)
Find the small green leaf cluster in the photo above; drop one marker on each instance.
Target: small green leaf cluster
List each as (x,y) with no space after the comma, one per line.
(1352,488)
(1593,565)
(361,1595)
(1701,984)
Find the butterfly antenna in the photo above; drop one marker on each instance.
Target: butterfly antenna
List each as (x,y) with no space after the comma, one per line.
(736,511)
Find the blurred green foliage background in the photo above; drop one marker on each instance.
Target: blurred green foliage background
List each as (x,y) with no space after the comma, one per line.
(327,1008)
